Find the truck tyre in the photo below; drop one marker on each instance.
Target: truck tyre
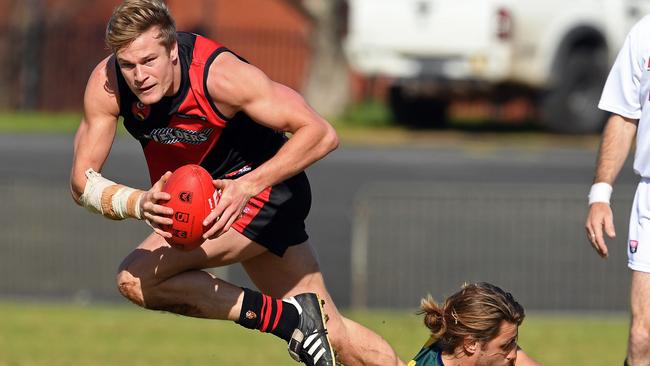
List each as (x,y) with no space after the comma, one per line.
(571,106)
(416,111)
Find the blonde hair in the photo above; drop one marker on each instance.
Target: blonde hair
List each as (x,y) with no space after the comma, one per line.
(134,17)
(476,311)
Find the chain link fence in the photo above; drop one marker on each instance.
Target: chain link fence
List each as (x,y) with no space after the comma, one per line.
(410,240)
(55,250)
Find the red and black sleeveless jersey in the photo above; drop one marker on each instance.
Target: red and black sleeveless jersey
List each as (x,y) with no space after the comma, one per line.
(187,128)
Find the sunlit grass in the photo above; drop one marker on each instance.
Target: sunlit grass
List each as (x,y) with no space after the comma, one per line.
(26,122)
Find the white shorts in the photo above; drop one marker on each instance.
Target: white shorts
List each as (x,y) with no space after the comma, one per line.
(638,241)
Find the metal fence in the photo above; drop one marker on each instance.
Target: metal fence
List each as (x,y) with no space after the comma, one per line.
(55,250)
(411,240)
(408,240)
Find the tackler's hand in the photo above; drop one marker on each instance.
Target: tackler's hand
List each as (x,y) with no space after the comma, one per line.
(154,213)
(600,221)
(234,195)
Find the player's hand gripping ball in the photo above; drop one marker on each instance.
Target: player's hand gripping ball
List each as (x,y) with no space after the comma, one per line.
(193,196)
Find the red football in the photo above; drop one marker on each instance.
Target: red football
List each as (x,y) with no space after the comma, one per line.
(193,196)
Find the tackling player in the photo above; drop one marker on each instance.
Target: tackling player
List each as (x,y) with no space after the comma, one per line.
(476,326)
(189,100)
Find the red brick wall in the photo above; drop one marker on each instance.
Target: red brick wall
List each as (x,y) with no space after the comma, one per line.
(268,33)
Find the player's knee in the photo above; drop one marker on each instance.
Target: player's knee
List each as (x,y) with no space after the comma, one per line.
(130,287)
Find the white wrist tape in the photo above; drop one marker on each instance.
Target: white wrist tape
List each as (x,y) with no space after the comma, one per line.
(92,196)
(110,199)
(125,203)
(600,192)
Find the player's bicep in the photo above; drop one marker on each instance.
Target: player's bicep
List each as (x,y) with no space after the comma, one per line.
(243,87)
(280,108)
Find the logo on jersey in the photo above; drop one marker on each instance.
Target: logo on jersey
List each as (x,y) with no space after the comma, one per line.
(140,110)
(244,169)
(633,246)
(172,135)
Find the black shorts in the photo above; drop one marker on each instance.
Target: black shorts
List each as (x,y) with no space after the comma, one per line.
(275,218)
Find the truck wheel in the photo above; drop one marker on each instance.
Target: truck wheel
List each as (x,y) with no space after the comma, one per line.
(572,105)
(417,111)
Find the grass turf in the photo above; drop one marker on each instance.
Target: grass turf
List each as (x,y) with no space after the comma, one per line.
(64,334)
(28,122)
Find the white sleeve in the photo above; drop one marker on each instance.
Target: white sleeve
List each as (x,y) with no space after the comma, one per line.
(621,91)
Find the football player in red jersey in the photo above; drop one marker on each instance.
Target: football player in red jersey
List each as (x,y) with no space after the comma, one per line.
(189,100)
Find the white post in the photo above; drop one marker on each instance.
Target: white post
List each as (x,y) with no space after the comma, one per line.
(359,252)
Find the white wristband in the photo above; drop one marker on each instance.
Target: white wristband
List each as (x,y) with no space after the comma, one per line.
(600,192)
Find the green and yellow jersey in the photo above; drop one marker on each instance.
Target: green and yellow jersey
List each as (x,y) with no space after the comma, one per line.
(429,355)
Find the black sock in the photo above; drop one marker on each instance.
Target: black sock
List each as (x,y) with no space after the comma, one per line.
(269,315)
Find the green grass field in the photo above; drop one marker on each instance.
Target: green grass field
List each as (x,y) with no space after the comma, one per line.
(71,335)
(30,122)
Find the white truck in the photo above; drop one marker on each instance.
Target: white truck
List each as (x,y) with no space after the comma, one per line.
(557,52)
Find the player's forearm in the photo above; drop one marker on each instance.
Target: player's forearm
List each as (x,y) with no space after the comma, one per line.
(76,188)
(615,146)
(81,161)
(92,144)
(306,146)
(89,189)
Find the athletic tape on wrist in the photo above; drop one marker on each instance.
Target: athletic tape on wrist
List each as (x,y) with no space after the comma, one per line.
(110,199)
(600,192)
(125,202)
(92,196)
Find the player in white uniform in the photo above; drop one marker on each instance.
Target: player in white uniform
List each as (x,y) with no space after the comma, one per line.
(627,95)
